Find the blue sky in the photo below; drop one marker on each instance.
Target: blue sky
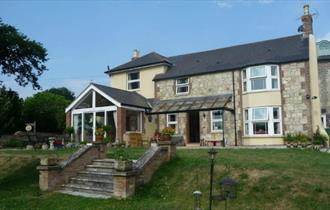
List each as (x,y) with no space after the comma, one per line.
(84,37)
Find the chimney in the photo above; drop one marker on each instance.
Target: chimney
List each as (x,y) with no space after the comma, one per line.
(307,21)
(136,54)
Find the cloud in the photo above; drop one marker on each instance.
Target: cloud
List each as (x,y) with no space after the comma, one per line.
(325,37)
(224,4)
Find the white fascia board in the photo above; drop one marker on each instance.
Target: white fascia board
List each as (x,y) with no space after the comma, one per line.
(82,95)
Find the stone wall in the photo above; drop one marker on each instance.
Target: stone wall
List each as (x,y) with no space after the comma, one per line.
(53,174)
(296,115)
(206,85)
(324,86)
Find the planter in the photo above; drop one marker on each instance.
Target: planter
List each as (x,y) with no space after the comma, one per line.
(123,165)
(166,138)
(99,139)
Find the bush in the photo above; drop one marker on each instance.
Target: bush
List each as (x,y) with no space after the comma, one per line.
(296,138)
(14,143)
(319,139)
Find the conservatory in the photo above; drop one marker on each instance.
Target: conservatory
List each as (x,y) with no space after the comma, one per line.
(100,105)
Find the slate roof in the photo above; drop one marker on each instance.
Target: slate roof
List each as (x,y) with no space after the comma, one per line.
(124,97)
(275,51)
(148,59)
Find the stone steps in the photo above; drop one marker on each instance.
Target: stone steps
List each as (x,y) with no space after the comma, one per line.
(94,181)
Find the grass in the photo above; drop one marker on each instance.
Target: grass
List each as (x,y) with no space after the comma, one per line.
(268,179)
(130,153)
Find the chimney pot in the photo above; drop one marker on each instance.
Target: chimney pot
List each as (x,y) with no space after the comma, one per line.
(307,21)
(136,54)
(306,9)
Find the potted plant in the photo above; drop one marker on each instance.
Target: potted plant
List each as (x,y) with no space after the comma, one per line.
(122,163)
(99,135)
(69,131)
(167,133)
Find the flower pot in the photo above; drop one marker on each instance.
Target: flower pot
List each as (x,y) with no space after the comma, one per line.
(123,165)
(99,139)
(167,138)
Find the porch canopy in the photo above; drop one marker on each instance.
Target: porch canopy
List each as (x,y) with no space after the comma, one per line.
(204,103)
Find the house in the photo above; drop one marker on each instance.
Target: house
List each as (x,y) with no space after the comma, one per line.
(250,94)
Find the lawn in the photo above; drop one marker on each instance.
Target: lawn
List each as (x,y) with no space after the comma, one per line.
(269,179)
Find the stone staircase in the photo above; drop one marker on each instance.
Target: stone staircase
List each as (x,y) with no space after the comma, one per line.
(94,181)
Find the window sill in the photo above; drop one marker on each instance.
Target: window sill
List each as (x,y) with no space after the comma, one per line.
(133,89)
(260,91)
(215,132)
(182,94)
(264,136)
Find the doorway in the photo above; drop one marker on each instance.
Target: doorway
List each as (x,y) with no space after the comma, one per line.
(194,131)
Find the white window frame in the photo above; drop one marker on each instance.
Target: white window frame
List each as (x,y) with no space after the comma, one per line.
(248,121)
(324,120)
(177,86)
(168,122)
(216,120)
(268,77)
(133,80)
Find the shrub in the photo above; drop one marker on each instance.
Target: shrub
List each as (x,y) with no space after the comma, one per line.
(14,143)
(296,138)
(319,139)
(69,130)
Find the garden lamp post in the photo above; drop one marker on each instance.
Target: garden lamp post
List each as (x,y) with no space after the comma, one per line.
(212,152)
(197,194)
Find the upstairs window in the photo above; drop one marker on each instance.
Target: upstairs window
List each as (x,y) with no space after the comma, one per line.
(133,81)
(182,86)
(258,78)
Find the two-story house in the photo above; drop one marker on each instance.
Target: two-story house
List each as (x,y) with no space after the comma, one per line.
(250,94)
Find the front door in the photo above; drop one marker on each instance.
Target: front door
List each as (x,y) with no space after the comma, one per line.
(194,127)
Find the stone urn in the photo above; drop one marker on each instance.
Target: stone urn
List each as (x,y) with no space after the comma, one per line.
(166,138)
(44,147)
(123,165)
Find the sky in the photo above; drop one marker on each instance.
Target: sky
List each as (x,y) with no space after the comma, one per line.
(84,37)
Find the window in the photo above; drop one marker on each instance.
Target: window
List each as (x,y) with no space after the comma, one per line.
(172,121)
(133,120)
(260,78)
(133,81)
(216,120)
(262,121)
(182,86)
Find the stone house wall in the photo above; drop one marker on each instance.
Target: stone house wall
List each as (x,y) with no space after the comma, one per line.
(324,86)
(296,116)
(205,85)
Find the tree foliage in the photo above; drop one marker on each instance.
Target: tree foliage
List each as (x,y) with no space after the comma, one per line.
(20,56)
(62,91)
(47,109)
(10,111)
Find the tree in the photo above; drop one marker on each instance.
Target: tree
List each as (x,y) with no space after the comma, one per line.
(20,56)
(62,91)
(10,111)
(47,109)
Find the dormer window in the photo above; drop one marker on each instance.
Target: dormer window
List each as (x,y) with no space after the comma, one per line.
(260,78)
(133,81)
(182,86)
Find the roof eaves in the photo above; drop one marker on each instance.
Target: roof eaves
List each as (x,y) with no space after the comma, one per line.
(138,67)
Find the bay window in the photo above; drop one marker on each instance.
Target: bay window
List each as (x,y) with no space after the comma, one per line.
(258,78)
(262,121)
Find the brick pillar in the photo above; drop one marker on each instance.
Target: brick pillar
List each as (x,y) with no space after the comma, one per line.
(121,123)
(68,119)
